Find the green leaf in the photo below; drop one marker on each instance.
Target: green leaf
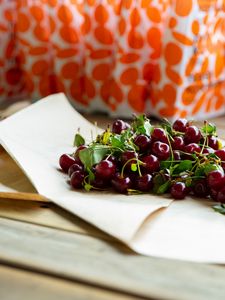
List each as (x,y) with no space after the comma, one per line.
(164,187)
(158,180)
(117,141)
(209,128)
(165,164)
(220,208)
(93,155)
(142,125)
(78,140)
(184,165)
(134,167)
(91,175)
(206,168)
(167,126)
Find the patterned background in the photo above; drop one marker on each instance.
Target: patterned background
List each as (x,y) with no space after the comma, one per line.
(162,57)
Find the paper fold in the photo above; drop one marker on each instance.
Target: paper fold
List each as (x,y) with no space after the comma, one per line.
(38,135)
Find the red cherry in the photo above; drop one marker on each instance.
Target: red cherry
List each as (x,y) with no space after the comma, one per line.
(159,134)
(105,169)
(121,184)
(66,161)
(144,183)
(180,125)
(192,135)
(151,163)
(215,179)
(161,150)
(178,190)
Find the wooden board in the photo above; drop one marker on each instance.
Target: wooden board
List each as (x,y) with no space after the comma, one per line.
(99,263)
(16,284)
(59,256)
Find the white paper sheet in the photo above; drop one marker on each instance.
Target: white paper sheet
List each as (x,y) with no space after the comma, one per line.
(151,225)
(38,135)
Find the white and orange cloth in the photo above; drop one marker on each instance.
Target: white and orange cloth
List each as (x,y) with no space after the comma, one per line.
(162,57)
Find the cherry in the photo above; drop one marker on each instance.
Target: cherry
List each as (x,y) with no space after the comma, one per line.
(200,188)
(215,179)
(213,142)
(180,125)
(193,147)
(144,183)
(176,155)
(100,183)
(77,179)
(221,155)
(121,184)
(119,125)
(66,161)
(178,190)
(192,135)
(143,142)
(161,150)
(73,168)
(159,134)
(213,194)
(221,195)
(128,155)
(208,150)
(105,169)
(177,143)
(151,163)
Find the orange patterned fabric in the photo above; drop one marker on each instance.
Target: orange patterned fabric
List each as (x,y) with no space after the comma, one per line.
(162,57)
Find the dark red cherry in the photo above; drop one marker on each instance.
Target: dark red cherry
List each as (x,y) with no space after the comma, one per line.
(178,190)
(221,195)
(180,125)
(213,194)
(161,150)
(151,163)
(73,168)
(201,188)
(213,142)
(143,142)
(221,154)
(144,183)
(121,184)
(192,135)
(159,134)
(77,179)
(208,150)
(176,155)
(119,125)
(193,147)
(127,156)
(105,169)
(66,161)
(215,179)
(177,143)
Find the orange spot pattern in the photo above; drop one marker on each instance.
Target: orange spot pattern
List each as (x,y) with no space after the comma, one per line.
(165,58)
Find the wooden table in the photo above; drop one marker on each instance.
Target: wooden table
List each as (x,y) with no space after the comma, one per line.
(47,253)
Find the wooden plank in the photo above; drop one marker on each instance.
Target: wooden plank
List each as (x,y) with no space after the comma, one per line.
(94,261)
(16,284)
(47,214)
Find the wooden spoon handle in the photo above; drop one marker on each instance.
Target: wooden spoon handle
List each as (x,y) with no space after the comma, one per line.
(23,196)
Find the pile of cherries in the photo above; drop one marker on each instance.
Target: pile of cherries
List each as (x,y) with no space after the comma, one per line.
(150,158)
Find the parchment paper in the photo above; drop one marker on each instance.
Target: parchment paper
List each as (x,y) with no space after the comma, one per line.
(36,137)
(151,225)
